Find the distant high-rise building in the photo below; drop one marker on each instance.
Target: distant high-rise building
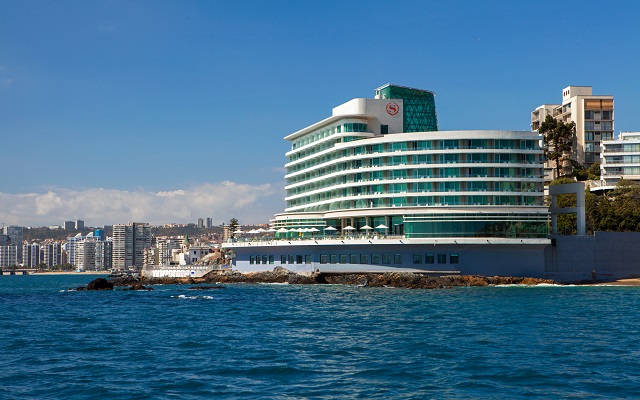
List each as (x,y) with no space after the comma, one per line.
(200,223)
(72,242)
(209,222)
(129,242)
(15,234)
(8,256)
(85,254)
(31,255)
(593,116)
(5,240)
(79,225)
(99,233)
(52,254)
(69,225)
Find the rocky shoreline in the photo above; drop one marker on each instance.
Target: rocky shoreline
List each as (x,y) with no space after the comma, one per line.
(281,275)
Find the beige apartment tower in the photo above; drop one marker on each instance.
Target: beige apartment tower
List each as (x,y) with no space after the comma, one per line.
(129,243)
(593,116)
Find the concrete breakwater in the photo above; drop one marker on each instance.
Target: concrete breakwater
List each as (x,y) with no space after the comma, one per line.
(386,279)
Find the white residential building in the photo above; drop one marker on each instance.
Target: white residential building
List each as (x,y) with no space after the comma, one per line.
(620,159)
(8,256)
(593,116)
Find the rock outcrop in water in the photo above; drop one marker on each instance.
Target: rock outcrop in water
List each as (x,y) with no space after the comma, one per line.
(386,279)
(98,284)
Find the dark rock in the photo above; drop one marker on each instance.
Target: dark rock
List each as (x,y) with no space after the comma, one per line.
(126,280)
(139,286)
(100,284)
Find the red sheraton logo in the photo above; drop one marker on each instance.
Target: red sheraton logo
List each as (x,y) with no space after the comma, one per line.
(393,108)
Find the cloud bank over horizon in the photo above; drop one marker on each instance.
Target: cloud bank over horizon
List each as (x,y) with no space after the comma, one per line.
(221,201)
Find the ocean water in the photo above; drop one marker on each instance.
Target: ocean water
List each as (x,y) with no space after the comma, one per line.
(316,342)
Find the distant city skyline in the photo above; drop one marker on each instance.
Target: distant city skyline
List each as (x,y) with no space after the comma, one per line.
(164,111)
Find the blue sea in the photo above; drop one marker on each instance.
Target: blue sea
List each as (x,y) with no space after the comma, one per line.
(316,342)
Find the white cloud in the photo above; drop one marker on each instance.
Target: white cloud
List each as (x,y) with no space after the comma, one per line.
(220,201)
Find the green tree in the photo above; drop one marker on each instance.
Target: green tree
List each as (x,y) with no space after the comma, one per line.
(594,171)
(558,138)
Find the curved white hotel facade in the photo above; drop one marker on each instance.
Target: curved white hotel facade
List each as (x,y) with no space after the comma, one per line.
(393,192)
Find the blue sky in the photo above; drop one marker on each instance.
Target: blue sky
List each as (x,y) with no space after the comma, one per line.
(167,111)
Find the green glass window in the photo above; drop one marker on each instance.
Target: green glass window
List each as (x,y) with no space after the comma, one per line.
(428,259)
(417,258)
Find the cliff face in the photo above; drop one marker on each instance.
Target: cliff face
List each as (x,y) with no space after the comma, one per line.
(387,279)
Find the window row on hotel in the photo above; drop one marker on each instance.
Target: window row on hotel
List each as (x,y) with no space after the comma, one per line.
(416,159)
(328,131)
(474,179)
(376,193)
(375,259)
(418,201)
(448,144)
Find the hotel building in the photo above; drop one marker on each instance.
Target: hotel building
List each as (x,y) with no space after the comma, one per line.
(378,172)
(593,116)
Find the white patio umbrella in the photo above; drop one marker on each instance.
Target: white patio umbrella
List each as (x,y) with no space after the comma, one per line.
(314,230)
(260,230)
(381,226)
(282,230)
(366,228)
(348,228)
(272,230)
(330,228)
(239,231)
(252,231)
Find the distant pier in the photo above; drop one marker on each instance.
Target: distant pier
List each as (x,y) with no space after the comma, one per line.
(18,271)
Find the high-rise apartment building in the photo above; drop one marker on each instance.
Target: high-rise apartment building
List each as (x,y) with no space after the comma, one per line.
(15,234)
(51,254)
(8,256)
(72,243)
(69,225)
(31,255)
(79,225)
(620,159)
(209,222)
(593,116)
(85,254)
(200,223)
(129,242)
